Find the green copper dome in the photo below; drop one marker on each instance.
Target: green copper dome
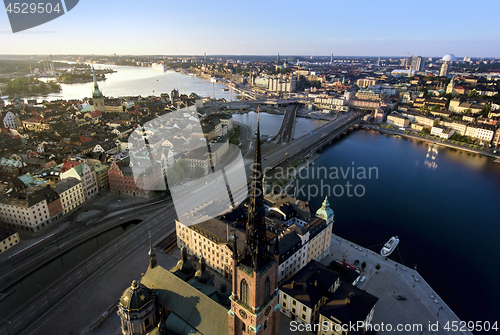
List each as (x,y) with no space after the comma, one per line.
(325,212)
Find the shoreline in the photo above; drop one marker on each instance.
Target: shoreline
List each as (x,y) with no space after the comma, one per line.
(432,141)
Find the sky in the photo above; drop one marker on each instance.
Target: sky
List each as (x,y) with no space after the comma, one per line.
(257,27)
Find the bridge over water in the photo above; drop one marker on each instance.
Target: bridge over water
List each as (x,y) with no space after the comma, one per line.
(313,142)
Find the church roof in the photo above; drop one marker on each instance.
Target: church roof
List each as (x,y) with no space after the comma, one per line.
(191,309)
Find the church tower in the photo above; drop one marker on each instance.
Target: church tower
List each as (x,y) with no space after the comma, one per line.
(97,97)
(255,296)
(325,212)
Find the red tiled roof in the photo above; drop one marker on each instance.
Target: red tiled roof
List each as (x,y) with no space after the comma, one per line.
(96,113)
(68,165)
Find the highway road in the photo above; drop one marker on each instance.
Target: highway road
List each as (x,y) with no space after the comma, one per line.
(285,134)
(57,297)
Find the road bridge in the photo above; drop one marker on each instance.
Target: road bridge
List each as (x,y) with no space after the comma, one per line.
(285,134)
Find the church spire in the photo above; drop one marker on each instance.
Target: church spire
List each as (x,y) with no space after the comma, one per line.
(96,87)
(255,243)
(152,254)
(97,94)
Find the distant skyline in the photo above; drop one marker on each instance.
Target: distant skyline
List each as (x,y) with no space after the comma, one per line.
(194,27)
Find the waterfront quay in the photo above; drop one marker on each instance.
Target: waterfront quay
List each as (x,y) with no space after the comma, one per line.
(430,140)
(422,306)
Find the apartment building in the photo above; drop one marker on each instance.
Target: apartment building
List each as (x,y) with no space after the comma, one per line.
(302,238)
(366,82)
(398,120)
(482,132)
(87,176)
(70,191)
(23,208)
(138,180)
(8,238)
(347,305)
(304,295)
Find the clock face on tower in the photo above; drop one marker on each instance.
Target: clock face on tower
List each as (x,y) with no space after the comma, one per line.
(268,310)
(243,314)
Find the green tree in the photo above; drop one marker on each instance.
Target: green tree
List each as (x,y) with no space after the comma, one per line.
(198,172)
(377,266)
(423,89)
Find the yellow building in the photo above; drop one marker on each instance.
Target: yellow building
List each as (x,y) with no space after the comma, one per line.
(349,305)
(398,120)
(8,239)
(301,238)
(303,295)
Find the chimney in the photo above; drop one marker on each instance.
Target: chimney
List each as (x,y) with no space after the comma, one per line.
(293,284)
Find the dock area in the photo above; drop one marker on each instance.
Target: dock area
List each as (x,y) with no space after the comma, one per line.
(422,306)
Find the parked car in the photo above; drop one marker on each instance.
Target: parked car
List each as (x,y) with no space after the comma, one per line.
(401,297)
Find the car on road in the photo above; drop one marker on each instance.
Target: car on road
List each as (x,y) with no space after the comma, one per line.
(356,262)
(400,297)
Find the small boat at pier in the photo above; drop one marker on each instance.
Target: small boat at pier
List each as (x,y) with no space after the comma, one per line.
(390,246)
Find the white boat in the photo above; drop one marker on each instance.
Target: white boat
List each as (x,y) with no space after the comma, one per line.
(159,66)
(390,246)
(213,80)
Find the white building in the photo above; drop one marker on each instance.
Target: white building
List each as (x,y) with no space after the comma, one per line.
(71,193)
(27,210)
(11,121)
(483,132)
(87,176)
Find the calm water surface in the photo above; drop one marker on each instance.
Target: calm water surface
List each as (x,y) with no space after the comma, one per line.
(144,81)
(271,123)
(443,205)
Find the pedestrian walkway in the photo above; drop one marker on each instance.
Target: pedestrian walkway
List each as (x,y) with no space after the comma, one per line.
(422,307)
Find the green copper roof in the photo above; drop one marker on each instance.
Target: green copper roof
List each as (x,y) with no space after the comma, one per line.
(325,212)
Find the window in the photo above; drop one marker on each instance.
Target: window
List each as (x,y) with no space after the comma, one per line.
(294,302)
(267,289)
(244,291)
